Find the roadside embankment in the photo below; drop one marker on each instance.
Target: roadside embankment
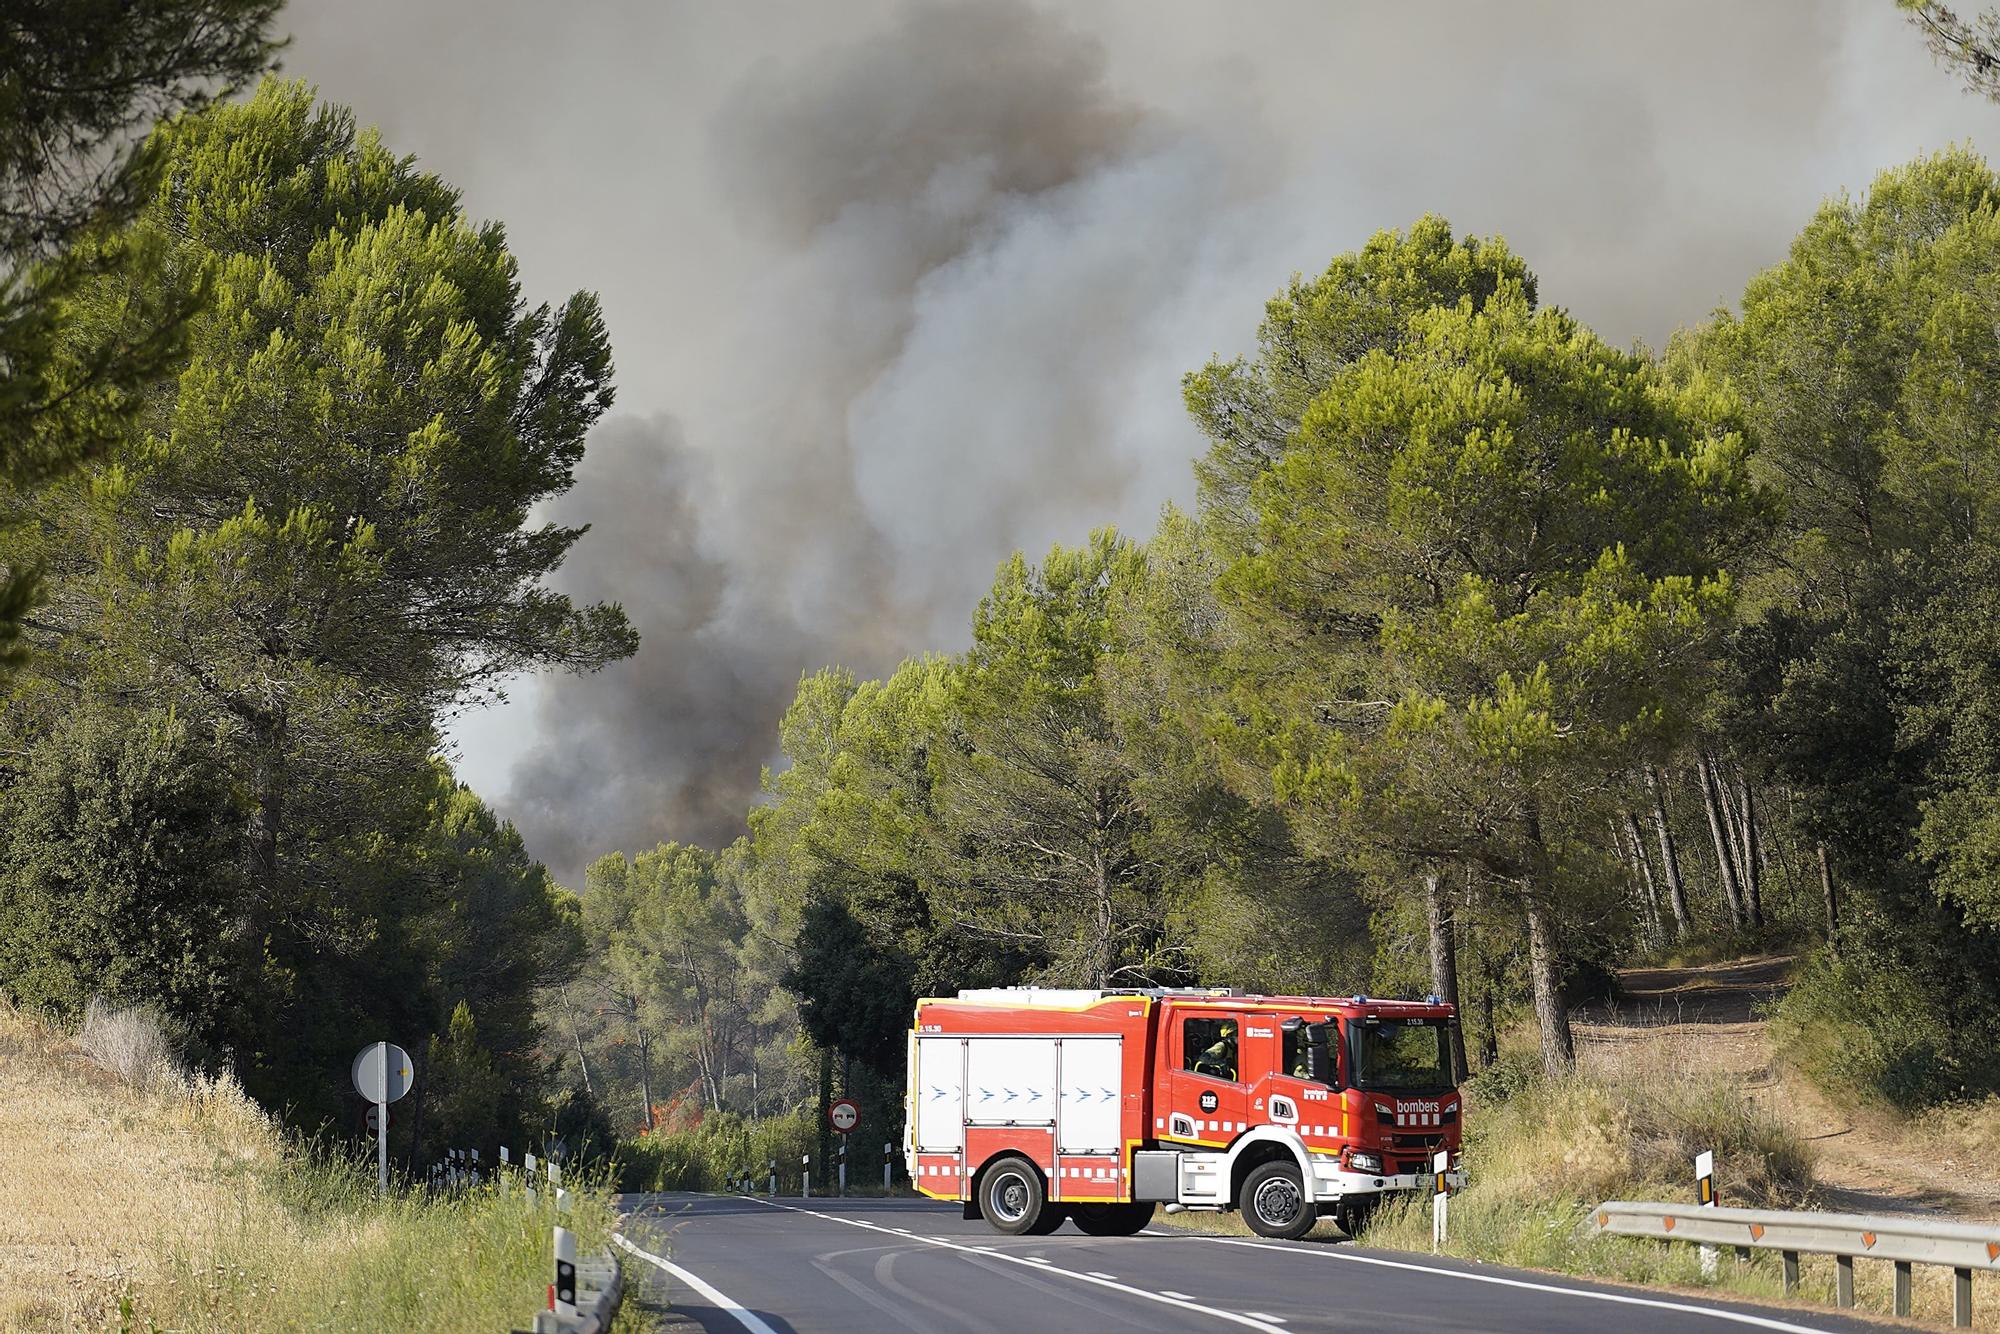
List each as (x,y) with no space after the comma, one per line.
(140,1197)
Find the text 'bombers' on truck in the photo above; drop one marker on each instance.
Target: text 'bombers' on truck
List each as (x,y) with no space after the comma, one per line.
(1033,1105)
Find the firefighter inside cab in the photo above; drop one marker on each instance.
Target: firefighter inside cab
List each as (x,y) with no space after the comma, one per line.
(1034,1107)
(1219,1058)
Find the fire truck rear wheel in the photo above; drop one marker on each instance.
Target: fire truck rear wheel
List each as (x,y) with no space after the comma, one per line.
(1012,1199)
(1112,1220)
(1274,1201)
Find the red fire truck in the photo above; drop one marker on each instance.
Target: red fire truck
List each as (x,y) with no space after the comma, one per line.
(1031,1105)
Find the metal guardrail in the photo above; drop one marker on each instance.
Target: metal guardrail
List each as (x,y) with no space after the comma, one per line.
(600,1287)
(1966,1248)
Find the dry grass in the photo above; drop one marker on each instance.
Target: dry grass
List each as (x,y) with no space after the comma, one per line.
(1657,1102)
(100,1175)
(168,1203)
(1625,1125)
(1967,1132)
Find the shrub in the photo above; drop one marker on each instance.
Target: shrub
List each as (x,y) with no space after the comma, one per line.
(130,1042)
(721,1147)
(1867,1032)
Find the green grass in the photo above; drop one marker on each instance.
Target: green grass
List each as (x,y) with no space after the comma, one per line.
(313,1248)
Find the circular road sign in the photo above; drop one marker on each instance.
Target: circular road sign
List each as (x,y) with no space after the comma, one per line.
(382,1072)
(845,1113)
(373,1123)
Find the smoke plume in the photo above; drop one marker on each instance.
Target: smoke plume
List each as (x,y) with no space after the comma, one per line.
(969,234)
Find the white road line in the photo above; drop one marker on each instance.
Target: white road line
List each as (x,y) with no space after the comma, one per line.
(1619,1298)
(1274,1319)
(1098,1273)
(1040,1266)
(1177,1296)
(748,1319)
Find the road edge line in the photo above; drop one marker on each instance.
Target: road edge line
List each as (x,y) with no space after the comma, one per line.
(1588,1294)
(716,1298)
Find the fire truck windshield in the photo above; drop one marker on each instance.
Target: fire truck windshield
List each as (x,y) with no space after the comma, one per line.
(1407,1055)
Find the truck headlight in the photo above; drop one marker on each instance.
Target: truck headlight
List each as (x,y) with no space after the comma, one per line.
(1363,1161)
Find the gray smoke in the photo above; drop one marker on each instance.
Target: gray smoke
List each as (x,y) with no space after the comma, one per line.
(659,741)
(899,286)
(971,242)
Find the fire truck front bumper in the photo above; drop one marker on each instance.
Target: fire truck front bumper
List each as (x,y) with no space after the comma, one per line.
(1333,1183)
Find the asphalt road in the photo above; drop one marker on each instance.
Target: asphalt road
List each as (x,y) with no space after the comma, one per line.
(867,1266)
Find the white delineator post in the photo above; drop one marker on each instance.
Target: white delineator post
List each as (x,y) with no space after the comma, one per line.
(1704,1184)
(843,1165)
(1440,1198)
(806,1174)
(501,1171)
(528,1179)
(565,1298)
(774,1178)
(885,1166)
(555,1185)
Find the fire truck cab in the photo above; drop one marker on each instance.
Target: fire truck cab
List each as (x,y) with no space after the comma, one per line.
(1033,1106)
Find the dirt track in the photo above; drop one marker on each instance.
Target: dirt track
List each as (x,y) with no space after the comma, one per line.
(1866,1161)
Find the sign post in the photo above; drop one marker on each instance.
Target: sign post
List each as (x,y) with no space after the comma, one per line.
(382,1073)
(845,1114)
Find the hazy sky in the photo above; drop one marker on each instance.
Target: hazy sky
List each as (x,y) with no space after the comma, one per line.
(897,287)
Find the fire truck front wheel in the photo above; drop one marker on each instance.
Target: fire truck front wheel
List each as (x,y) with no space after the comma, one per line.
(1274,1202)
(1012,1199)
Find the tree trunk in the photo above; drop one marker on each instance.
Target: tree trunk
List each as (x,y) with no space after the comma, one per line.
(267,813)
(1725,863)
(576,1036)
(1489,1037)
(1746,818)
(1545,967)
(1774,847)
(645,1065)
(1670,862)
(1100,886)
(1545,962)
(1832,904)
(1636,841)
(1444,961)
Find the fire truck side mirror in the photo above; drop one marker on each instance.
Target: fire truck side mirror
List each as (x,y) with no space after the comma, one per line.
(1321,1067)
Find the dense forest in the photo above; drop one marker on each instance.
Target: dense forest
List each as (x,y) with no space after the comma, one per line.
(1489,658)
